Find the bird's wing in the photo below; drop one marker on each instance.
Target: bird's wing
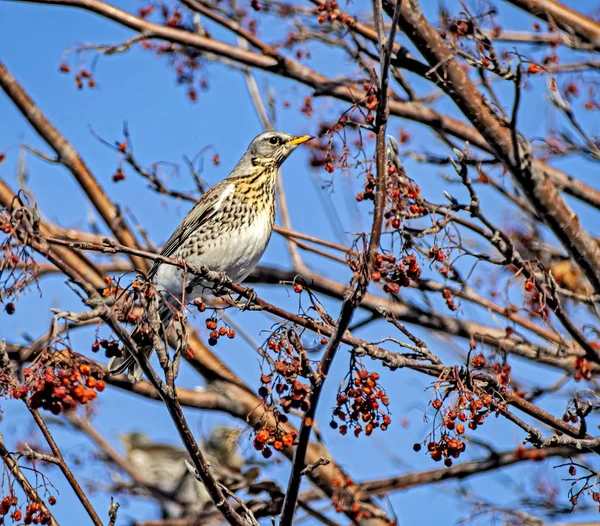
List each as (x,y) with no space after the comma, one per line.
(202,212)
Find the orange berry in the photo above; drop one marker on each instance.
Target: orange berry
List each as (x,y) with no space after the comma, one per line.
(262,436)
(85,369)
(100,385)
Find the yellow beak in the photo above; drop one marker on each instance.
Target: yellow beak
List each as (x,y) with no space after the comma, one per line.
(299,140)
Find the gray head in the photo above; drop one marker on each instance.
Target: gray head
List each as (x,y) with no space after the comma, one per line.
(271,148)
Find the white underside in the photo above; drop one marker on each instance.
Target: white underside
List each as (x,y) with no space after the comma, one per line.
(234,253)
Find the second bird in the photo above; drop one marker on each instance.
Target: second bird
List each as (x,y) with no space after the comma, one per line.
(227,230)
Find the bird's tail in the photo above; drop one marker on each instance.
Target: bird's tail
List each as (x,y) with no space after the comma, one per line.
(125,361)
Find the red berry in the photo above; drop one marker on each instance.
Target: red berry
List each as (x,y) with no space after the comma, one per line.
(118,176)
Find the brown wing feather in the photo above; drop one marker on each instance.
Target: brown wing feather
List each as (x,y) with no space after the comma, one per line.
(201,212)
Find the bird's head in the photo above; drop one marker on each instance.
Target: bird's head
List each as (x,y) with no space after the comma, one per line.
(273,147)
(134,440)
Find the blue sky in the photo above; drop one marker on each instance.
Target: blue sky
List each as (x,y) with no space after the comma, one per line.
(139,88)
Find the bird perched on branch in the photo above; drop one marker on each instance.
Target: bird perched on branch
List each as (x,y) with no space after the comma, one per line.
(163,466)
(227,231)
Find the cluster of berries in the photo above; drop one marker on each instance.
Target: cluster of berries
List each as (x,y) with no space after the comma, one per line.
(35,513)
(362,405)
(469,409)
(111,347)
(437,255)
(395,273)
(501,370)
(212,324)
(59,386)
(327,11)
(275,438)
(293,393)
(82,76)
(447,448)
(13,255)
(583,369)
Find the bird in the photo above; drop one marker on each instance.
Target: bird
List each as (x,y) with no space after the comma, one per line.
(163,466)
(223,446)
(227,231)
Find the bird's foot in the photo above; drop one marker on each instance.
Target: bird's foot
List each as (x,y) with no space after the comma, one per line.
(250,299)
(219,287)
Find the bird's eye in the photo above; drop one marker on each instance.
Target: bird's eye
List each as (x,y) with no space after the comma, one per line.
(274,140)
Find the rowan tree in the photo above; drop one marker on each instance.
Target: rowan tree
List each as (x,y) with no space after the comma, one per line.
(426,315)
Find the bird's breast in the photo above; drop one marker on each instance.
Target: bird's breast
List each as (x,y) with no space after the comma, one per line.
(234,250)
(241,249)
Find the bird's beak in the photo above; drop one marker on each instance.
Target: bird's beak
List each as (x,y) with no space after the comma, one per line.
(299,140)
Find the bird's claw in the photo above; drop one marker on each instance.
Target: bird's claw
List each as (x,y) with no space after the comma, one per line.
(219,286)
(250,299)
